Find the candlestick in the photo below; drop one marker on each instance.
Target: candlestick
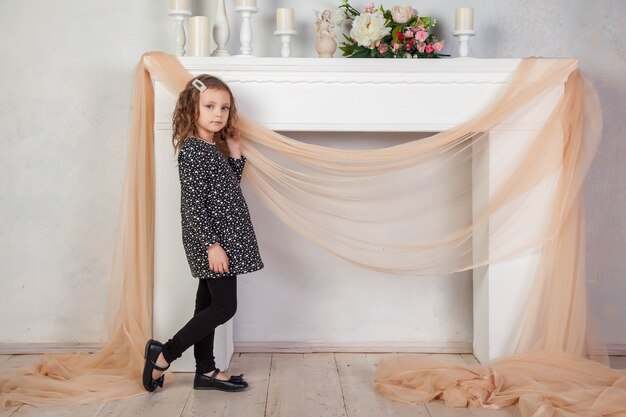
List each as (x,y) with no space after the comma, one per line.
(284,19)
(221,31)
(179,16)
(246,10)
(464,37)
(464,29)
(285,38)
(199,36)
(464,19)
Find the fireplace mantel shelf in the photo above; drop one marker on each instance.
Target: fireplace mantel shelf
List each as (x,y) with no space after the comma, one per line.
(341,94)
(357,70)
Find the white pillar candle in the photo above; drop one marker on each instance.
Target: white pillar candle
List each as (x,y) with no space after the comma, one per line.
(179,5)
(464,18)
(284,19)
(199,36)
(249,3)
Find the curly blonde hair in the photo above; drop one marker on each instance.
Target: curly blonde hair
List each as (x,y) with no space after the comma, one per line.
(186,114)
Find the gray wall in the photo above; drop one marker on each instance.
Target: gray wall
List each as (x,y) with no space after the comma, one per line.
(65,76)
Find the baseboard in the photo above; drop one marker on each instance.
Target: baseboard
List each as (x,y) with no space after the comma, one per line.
(309,347)
(613,349)
(40,348)
(616,349)
(257,347)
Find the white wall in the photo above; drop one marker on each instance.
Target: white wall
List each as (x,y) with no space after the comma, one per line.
(308,296)
(65,76)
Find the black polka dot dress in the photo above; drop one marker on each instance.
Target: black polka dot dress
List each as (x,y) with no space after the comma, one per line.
(213,209)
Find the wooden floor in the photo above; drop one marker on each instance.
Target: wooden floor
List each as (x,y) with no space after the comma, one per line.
(282,384)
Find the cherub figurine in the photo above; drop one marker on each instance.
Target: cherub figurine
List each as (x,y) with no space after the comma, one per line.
(326,43)
(324,24)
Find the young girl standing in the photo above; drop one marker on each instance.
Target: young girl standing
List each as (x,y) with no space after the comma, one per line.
(218,237)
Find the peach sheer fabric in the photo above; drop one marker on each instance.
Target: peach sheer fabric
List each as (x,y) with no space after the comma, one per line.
(390,210)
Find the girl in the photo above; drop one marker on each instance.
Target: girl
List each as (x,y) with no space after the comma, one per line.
(218,237)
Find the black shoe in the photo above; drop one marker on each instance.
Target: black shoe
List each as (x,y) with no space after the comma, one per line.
(153,349)
(235,383)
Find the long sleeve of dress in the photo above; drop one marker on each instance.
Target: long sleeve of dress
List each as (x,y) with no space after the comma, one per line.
(237,166)
(194,194)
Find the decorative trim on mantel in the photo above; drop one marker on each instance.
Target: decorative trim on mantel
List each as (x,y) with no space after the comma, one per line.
(355,71)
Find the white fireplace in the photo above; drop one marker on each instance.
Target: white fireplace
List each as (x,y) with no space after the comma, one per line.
(306,300)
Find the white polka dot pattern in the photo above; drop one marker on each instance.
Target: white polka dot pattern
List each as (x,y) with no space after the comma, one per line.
(213,209)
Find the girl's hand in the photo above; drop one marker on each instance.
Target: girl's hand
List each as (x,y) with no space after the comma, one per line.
(233,143)
(218,259)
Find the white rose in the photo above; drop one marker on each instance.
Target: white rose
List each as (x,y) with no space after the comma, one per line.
(402,14)
(367,28)
(339,16)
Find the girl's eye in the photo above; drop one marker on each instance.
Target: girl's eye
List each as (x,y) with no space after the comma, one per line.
(226,108)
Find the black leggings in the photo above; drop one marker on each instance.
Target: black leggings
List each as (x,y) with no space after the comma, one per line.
(216,303)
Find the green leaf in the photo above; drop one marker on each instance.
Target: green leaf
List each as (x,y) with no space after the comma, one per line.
(361,52)
(350,11)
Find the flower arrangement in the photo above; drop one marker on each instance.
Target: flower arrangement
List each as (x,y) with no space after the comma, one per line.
(396,33)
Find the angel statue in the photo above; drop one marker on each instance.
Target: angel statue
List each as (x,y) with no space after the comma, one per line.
(326,43)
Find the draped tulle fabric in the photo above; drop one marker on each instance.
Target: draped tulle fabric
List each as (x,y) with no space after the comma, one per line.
(424,207)
(540,383)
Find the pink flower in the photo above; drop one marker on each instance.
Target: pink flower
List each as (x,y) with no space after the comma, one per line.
(421,35)
(420,47)
(408,34)
(429,49)
(369,8)
(383,47)
(438,46)
(414,30)
(408,47)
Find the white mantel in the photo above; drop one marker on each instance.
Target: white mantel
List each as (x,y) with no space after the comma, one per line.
(290,87)
(346,95)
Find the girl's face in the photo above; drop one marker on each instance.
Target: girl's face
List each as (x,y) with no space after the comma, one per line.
(213,111)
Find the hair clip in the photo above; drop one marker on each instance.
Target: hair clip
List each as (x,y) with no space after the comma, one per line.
(199,85)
